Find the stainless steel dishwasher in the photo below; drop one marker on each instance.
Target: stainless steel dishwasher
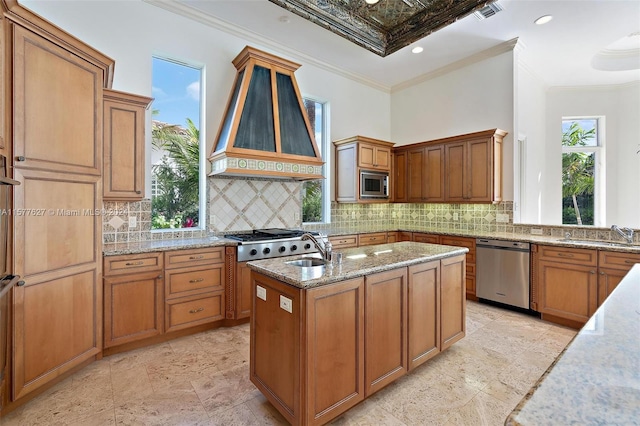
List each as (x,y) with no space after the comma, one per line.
(502,272)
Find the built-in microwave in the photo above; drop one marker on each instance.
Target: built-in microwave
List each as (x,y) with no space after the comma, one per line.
(374,184)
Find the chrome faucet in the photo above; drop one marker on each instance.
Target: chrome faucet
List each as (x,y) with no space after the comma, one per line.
(626,233)
(326,249)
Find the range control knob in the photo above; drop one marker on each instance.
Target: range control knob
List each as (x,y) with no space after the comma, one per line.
(294,247)
(282,249)
(307,246)
(266,250)
(253,252)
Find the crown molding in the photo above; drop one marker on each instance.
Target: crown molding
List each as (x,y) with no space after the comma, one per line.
(247,35)
(596,87)
(507,46)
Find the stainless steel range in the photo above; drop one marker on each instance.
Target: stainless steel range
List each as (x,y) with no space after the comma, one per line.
(274,242)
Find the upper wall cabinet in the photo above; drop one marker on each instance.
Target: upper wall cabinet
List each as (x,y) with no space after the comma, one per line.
(357,154)
(124,119)
(459,169)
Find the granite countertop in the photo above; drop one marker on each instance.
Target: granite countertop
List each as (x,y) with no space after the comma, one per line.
(356,262)
(113,249)
(596,380)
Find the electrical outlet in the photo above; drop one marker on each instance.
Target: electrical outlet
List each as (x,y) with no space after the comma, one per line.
(286,304)
(455,216)
(353,215)
(133,221)
(536,231)
(296,216)
(261,292)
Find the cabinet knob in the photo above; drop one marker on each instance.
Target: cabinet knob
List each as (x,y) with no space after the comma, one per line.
(160,276)
(20,158)
(20,283)
(601,273)
(138,192)
(592,272)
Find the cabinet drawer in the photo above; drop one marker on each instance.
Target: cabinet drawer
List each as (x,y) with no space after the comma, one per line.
(471,269)
(188,312)
(617,260)
(184,282)
(371,239)
(568,255)
(145,262)
(344,241)
(196,257)
(426,238)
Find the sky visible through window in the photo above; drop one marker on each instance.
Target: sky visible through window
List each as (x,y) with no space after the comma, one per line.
(176,92)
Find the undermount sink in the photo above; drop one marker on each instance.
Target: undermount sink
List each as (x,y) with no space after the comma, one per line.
(306,263)
(597,243)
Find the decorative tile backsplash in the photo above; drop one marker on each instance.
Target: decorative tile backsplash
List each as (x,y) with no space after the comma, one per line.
(245,204)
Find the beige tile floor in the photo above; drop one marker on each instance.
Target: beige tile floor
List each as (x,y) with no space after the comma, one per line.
(203,380)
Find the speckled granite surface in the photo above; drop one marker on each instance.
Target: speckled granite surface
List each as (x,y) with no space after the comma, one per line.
(596,380)
(113,249)
(356,262)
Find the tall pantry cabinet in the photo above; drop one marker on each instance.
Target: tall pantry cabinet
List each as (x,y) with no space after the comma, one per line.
(54,121)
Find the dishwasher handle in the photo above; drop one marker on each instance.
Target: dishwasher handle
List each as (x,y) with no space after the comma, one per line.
(502,244)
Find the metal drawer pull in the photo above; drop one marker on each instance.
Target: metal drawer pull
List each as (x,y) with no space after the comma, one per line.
(134,263)
(629,261)
(592,272)
(196,257)
(197,280)
(195,311)
(565,255)
(601,273)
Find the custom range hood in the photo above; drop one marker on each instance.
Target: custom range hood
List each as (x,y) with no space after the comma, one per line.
(265,130)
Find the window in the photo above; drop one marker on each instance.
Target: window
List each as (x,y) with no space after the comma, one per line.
(315,198)
(177,166)
(582,174)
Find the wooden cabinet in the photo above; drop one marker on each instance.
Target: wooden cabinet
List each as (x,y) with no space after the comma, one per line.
(612,267)
(566,282)
(469,243)
(243,291)
(56,113)
(420,237)
(4,84)
(385,328)
(459,169)
(344,241)
(399,187)
(124,121)
(372,239)
(194,287)
(452,301)
(426,174)
(354,155)
(133,298)
(423,313)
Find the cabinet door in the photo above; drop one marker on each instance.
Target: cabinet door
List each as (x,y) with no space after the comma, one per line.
(399,180)
(480,165)
(4,79)
(335,352)
(452,301)
(57,107)
(415,174)
(433,178)
(423,313)
(124,117)
(455,172)
(133,307)
(608,280)
(374,157)
(347,181)
(243,291)
(385,328)
(567,290)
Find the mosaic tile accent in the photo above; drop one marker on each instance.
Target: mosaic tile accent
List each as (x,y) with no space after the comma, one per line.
(252,203)
(230,164)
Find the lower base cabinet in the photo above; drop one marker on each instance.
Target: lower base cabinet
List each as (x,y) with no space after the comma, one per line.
(342,342)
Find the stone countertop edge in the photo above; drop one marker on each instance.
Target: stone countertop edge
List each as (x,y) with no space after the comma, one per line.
(595,380)
(379,258)
(139,247)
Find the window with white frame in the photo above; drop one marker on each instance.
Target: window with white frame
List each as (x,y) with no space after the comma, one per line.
(315,193)
(583,171)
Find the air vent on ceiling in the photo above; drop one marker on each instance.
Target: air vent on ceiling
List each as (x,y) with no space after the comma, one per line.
(488,11)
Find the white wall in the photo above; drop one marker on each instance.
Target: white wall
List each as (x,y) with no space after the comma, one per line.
(620,105)
(530,123)
(131,32)
(477,97)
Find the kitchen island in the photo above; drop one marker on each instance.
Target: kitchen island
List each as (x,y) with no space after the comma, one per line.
(324,338)
(596,379)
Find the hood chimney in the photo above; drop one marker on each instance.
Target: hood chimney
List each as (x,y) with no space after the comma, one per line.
(265,130)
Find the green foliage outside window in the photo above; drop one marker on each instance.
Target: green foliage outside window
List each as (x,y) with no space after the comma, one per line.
(312,201)
(578,177)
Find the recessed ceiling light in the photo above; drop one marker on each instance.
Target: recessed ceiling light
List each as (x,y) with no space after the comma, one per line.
(543,19)
(417,49)
(371,1)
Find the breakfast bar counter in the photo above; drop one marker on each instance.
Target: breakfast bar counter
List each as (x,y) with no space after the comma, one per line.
(596,379)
